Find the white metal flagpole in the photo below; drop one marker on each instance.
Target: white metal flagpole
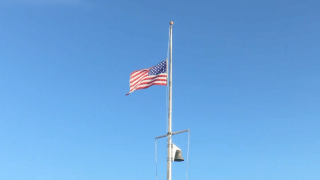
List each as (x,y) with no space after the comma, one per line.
(169,158)
(170,145)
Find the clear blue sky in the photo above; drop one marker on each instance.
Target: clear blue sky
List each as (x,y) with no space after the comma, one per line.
(246,81)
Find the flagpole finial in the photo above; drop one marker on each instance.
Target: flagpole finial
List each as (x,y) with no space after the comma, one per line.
(171,23)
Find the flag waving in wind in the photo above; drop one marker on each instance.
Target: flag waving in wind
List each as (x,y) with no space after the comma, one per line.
(142,79)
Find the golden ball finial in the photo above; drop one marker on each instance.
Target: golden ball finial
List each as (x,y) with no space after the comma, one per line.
(171,23)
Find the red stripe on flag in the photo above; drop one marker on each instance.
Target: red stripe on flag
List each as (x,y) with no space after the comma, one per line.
(150,78)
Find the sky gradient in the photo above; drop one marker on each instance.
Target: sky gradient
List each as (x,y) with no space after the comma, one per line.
(246,81)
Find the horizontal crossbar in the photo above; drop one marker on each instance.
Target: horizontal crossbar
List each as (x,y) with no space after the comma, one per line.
(178,132)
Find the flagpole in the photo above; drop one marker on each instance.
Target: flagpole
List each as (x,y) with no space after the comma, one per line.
(169,158)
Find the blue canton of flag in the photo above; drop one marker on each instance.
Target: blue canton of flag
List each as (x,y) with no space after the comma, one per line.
(160,68)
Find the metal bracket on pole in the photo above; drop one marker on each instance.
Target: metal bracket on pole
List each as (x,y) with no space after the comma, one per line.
(178,132)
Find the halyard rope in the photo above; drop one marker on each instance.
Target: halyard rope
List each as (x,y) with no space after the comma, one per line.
(188,155)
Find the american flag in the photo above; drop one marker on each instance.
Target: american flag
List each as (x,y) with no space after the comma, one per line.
(142,79)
